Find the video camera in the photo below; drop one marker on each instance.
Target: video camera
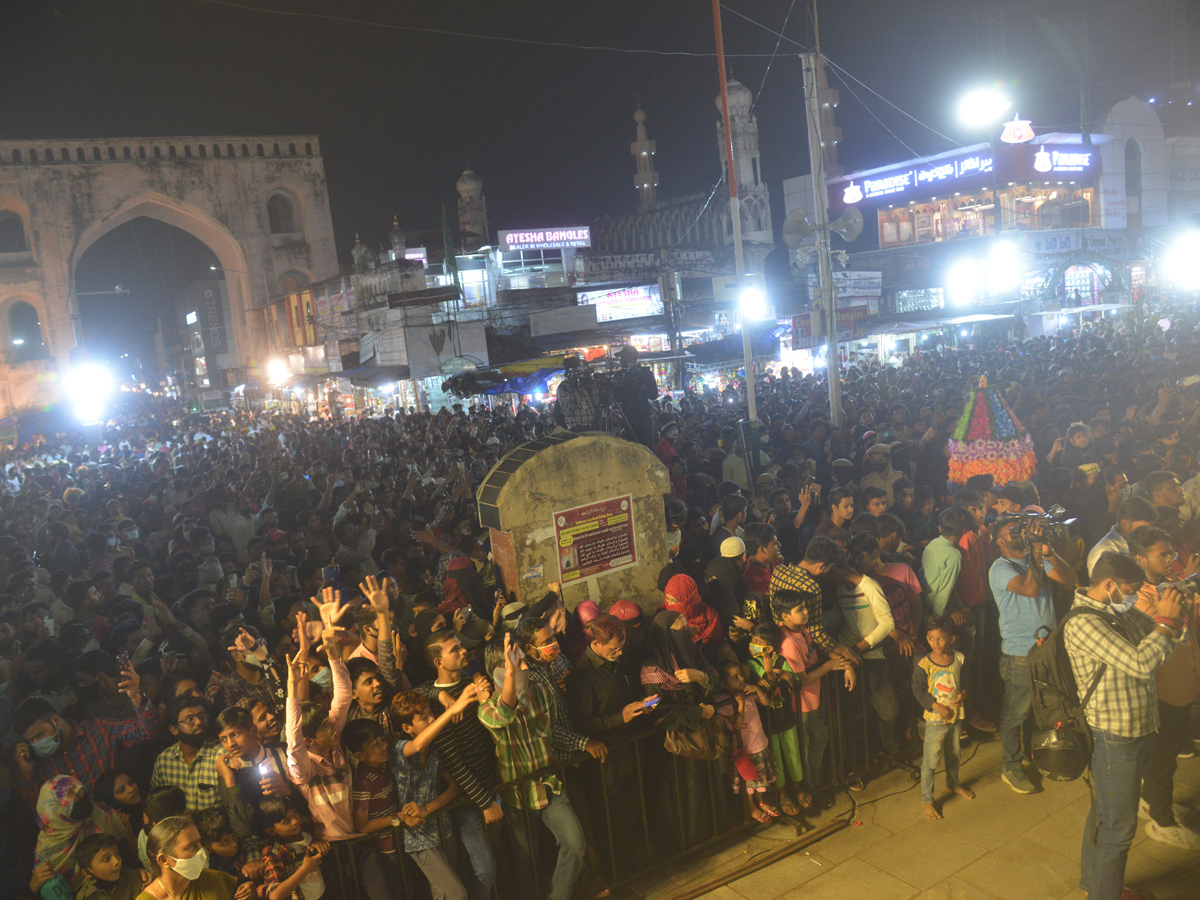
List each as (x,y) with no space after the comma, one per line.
(1056,527)
(1189,587)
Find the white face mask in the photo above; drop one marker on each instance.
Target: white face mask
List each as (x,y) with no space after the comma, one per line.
(192,867)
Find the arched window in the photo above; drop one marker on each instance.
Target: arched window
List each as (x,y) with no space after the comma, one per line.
(158,153)
(259,150)
(96,154)
(281,216)
(171,151)
(80,155)
(277,153)
(217,151)
(1133,184)
(128,153)
(112,152)
(24,333)
(291,149)
(12,233)
(245,150)
(141,152)
(65,154)
(308,149)
(16,156)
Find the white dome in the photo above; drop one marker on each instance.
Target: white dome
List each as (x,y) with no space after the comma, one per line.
(639,116)
(739,96)
(469,184)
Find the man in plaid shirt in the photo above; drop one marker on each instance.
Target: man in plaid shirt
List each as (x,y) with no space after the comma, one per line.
(820,557)
(519,718)
(191,762)
(1109,637)
(53,745)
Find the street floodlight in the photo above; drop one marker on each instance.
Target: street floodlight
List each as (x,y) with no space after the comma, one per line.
(982,107)
(753,304)
(963,282)
(278,372)
(1004,268)
(87,387)
(1181,263)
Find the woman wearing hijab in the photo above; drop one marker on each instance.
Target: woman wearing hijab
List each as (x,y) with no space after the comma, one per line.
(683,596)
(674,668)
(66,815)
(118,790)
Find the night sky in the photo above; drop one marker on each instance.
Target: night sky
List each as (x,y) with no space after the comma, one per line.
(400,112)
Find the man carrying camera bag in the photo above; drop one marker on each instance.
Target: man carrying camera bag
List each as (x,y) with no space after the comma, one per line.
(1022,591)
(1125,646)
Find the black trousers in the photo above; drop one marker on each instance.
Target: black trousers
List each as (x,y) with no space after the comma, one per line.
(1158,780)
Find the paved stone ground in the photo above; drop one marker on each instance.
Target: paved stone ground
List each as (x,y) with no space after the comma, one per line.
(999,846)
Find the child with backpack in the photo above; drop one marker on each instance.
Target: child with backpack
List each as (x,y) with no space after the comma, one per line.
(937,685)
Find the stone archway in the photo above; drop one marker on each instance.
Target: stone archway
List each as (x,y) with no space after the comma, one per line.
(230,252)
(70,193)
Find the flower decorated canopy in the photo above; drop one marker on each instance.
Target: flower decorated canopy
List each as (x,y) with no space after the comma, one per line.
(988,439)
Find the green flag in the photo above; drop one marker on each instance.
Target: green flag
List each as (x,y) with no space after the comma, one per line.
(451,260)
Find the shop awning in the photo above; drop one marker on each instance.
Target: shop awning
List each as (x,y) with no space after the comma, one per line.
(376,376)
(1079,310)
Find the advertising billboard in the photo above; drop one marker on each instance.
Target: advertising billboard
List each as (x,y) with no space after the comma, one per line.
(546,238)
(624,303)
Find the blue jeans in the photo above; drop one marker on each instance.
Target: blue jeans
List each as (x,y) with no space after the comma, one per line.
(939,735)
(472,831)
(1015,708)
(1117,772)
(559,817)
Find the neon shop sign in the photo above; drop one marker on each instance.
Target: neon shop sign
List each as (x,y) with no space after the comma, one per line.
(945,173)
(1062,160)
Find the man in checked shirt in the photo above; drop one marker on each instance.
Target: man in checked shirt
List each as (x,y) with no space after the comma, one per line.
(1110,639)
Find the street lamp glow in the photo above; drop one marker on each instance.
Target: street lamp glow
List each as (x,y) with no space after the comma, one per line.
(1004,268)
(963,282)
(753,304)
(17,342)
(982,107)
(278,371)
(1181,263)
(87,387)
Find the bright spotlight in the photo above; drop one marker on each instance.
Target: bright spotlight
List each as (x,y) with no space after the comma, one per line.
(17,342)
(1004,268)
(87,388)
(982,107)
(278,371)
(753,304)
(963,282)
(965,332)
(1181,264)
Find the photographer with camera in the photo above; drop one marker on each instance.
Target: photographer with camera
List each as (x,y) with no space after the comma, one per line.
(1117,649)
(1177,684)
(579,400)
(1025,603)
(633,389)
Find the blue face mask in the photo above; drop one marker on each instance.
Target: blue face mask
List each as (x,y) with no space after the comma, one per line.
(112,542)
(131,535)
(47,746)
(323,680)
(1124,604)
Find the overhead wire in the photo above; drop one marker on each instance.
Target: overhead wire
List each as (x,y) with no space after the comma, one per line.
(753,105)
(446,32)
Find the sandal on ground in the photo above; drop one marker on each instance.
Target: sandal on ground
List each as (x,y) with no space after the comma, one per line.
(760,815)
(789,808)
(770,810)
(804,800)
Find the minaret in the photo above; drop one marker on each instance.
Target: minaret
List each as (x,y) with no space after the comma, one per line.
(646,179)
(472,211)
(754,197)
(827,97)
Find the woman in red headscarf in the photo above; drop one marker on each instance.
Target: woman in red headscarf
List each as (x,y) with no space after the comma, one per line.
(683,597)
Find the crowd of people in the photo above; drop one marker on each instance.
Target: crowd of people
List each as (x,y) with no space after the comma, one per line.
(241,657)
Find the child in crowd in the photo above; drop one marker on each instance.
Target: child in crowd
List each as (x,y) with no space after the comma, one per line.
(754,765)
(373,796)
(775,676)
(937,685)
(790,610)
(420,784)
(291,858)
(105,877)
(924,519)
(161,803)
(223,846)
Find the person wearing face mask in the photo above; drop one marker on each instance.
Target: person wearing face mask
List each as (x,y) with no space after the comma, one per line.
(191,762)
(66,815)
(1019,584)
(251,677)
(51,744)
(179,864)
(879,471)
(1177,682)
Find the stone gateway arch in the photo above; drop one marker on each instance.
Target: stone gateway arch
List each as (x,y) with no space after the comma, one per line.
(259,203)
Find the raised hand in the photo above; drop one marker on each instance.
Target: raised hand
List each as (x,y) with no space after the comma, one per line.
(331,607)
(245,642)
(375,591)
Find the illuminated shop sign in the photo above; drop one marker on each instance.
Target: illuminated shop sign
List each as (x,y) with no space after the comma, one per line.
(1046,160)
(624,303)
(891,184)
(1018,131)
(546,239)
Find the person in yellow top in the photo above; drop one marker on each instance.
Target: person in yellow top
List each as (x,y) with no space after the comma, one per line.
(178,863)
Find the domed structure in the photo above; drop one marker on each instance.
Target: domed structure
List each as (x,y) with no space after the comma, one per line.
(472,211)
(740,98)
(469,184)
(397,237)
(640,116)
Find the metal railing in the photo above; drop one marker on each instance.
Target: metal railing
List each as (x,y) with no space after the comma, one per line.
(682,807)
